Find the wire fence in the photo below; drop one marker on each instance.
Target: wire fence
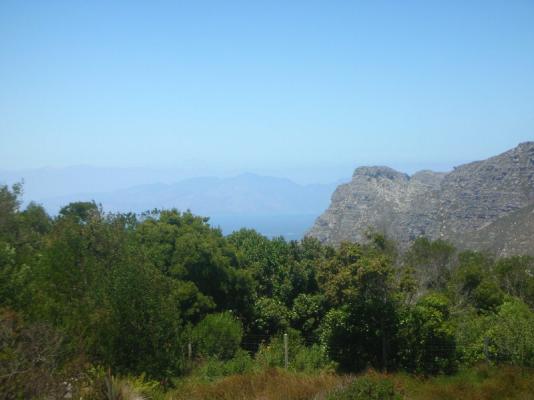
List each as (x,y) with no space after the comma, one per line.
(386,353)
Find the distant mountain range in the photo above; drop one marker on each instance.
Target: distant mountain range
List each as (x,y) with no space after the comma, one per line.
(245,194)
(273,206)
(486,205)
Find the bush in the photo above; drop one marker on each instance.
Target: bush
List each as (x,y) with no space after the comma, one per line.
(271,316)
(99,384)
(507,336)
(29,358)
(212,368)
(217,336)
(511,334)
(367,388)
(312,358)
(307,313)
(301,358)
(427,340)
(471,329)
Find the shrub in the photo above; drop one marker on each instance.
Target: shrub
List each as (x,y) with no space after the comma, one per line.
(212,368)
(367,388)
(98,384)
(427,338)
(307,313)
(471,329)
(312,358)
(271,316)
(301,358)
(29,358)
(507,336)
(511,334)
(217,336)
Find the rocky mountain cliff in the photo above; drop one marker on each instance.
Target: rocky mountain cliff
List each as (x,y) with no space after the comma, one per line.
(485,205)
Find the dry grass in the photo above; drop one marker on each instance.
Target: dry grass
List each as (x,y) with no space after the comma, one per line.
(272,384)
(479,383)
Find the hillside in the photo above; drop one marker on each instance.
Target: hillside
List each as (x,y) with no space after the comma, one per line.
(483,204)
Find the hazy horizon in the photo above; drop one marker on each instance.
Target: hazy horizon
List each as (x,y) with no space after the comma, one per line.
(99,98)
(303,90)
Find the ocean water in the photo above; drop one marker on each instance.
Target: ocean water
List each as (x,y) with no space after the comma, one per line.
(291,227)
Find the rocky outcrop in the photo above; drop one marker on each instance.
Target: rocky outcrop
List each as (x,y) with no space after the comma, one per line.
(466,206)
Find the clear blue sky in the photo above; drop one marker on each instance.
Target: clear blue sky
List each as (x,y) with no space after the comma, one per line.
(264,85)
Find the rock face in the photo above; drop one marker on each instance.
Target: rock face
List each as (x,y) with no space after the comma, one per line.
(485,205)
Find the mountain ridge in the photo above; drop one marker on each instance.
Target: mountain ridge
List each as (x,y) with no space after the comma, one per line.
(452,206)
(243,194)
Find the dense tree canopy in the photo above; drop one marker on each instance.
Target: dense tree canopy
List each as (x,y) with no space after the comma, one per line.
(132,293)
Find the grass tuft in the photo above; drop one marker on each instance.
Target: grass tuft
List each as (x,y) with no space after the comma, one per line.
(271,384)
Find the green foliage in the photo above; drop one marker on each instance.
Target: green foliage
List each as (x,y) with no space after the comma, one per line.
(214,367)
(307,312)
(185,247)
(516,277)
(511,334)
(367,388)
(471,328)
(427,341)
(362,326)
(475,283)
(301,358)
(311,358)
(263,257)
(81,211)
(432,261)
(217,336)
(9,207)
(129,293)
(143,330)
(504,336)
(8,288)
(30,356)
(487,296)
(271,316)
(99,384)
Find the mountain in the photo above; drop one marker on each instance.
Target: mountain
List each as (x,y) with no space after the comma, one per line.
(482,205)
(245,194)
(273,206)
(48,182)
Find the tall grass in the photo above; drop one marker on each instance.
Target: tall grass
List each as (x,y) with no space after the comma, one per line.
(271,384)
(483,382)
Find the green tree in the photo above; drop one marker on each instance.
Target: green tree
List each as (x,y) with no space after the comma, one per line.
(432,261)
(267,260)
(426,334)
(475,283)
(184,247)
(145,330)
(361,329)
(81,211)
(271,316)
(218,336)
(307,312)
(9,207)
(510,336)
(516,277)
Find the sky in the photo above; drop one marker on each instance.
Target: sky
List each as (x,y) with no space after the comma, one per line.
(303,89)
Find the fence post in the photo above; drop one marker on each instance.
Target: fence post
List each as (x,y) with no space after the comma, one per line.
(189,351)
(286,351)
